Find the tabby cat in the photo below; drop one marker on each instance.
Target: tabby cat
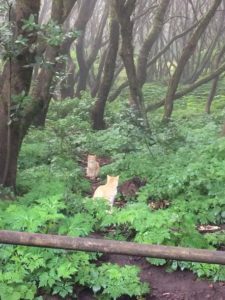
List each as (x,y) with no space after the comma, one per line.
(92,167)
(108,190)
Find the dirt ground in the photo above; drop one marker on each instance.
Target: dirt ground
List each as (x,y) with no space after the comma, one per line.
(178,285)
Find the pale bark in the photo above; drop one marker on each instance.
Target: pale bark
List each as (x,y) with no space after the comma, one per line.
(108,72)
(157,26)
(189,88)
(212,92)
(186,54)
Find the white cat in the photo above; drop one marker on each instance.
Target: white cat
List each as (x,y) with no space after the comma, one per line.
(108,191)
(92,167)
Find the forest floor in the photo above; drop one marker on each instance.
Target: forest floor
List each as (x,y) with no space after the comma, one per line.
(177,285)
(164,285)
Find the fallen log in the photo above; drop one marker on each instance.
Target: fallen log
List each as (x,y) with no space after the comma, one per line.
(110,246)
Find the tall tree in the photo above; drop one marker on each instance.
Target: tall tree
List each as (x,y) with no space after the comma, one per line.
(212,92)
(43,81)
(125,11)
(108,72)
(158,22)
(21,101)
(82,62)
(15,82)
(86,15)
(186,54)
(189,88)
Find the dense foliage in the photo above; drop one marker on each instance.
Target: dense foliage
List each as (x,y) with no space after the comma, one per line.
(181,162)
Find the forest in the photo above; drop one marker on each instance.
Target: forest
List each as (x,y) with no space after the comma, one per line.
(112,126)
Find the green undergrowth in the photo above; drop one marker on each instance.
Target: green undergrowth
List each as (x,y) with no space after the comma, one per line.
(182,163)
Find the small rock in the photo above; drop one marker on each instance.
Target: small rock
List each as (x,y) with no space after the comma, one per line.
(221,283)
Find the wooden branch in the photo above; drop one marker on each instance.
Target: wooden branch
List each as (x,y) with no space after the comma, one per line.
(167,46)
(187,52)
(189,88)
(109,246)
(123,85)
(149,41)
(145,12)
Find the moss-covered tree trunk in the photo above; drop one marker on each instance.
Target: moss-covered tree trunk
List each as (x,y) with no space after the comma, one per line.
(14,87)
(43,82)
(20,100)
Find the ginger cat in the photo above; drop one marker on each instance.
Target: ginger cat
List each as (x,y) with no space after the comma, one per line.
(108,190)
(92,167)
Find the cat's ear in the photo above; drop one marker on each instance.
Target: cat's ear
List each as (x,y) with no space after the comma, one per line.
(108,177)
(117,177)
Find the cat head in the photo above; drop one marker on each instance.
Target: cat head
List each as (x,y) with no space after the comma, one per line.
(91,157)
(113,179)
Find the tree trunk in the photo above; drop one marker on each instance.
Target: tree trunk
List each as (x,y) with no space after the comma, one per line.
(214,83)
(150,40)
(67,85)
(212,94)
(189,88)
(98,77)
(83,69)
(41,88)
(15,82)
(86,11)
(153,60)
(108,73)
(186,54)
(124,10)
(11,138)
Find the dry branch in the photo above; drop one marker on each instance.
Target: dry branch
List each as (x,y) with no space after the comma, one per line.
(109,246)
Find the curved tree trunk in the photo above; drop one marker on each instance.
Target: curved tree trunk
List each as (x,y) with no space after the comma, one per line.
(83,69)
(108,72)
(124,10)
(150,40)
(98,77)
(67,85)
(153,60)
(189,88)
(86,9)
(85,64)
(14,121)
(212,94)
(43,81)
(214,83)
(186,54)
